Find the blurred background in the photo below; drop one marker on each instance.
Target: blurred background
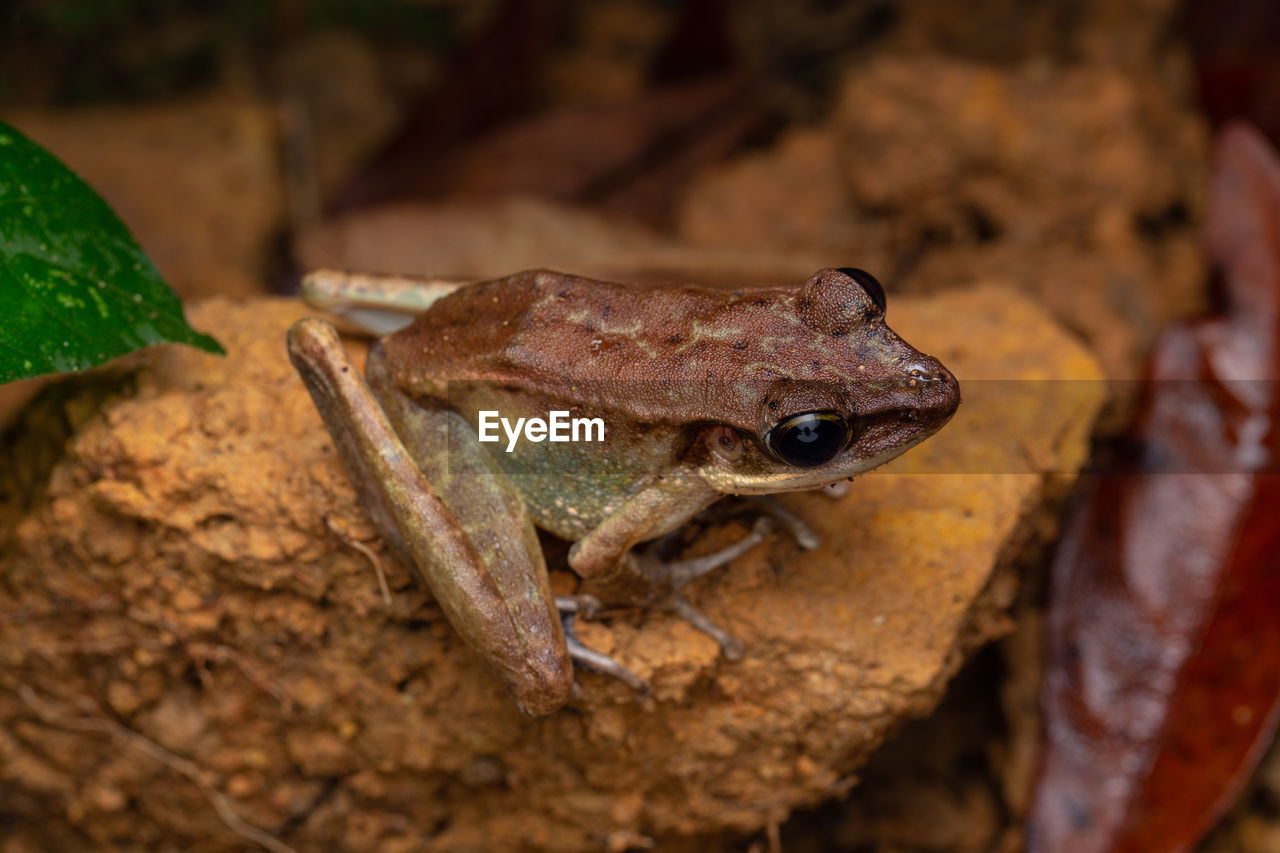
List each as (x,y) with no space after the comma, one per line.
(1058,147)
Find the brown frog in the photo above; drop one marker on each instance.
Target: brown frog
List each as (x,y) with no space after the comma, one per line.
(699,393)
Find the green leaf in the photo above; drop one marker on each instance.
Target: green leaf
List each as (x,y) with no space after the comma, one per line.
(75,288)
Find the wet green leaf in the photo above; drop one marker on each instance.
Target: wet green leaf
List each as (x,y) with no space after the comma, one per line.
(75,288)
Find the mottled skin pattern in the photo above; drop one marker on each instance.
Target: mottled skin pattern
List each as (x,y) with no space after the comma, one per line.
(688,381)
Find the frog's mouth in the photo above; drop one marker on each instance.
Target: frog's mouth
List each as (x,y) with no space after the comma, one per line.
(885,434)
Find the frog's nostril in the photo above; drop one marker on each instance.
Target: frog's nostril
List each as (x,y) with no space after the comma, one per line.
(924,372)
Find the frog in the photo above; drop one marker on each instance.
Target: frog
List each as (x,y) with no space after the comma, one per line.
(703,393)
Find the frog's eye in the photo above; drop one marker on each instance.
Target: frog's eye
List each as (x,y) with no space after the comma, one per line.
(809,439)
(868,283)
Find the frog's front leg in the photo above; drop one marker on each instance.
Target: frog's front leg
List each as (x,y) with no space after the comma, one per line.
(621,573)
(447,508)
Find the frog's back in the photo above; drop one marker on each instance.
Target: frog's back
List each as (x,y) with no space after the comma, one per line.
(539,331)
(488,329)
(670,357)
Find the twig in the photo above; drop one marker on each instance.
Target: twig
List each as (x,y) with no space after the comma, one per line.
(187,768)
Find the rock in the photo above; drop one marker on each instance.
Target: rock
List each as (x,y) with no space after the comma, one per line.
(790,197)
(208,229)
(188,573)
(1079,185)
(14,395)
(489,240)
(481,240)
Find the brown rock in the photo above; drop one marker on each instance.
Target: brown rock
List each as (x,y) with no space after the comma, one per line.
(790,197)
(1125,33)
(490,240)
(1070,154)
(480,240)
(14,395)
(357,726)
(198,183)
(1078,184)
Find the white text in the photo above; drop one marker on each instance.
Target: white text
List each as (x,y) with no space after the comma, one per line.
(557,427)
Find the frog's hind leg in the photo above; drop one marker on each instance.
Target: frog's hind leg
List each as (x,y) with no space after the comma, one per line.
(682,572)
(570,606)
(444,507)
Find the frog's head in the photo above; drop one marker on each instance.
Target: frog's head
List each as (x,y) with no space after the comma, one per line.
(852,395)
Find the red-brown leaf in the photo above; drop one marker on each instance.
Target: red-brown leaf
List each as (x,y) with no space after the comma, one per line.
(1164,625)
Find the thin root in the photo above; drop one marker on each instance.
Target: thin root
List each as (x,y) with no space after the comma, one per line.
(369,553)
(221,805)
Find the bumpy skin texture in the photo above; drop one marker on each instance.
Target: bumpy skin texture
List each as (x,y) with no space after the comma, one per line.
(666,370)
(185,570)
(673,356)
(661,367)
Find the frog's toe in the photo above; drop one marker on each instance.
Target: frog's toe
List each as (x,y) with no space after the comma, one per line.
(570,607)
(682,572)
(804,535)
(584,605)
(605,665)
(730,646)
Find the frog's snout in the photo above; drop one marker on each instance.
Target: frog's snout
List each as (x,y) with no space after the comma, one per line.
(928,371)
(937,385)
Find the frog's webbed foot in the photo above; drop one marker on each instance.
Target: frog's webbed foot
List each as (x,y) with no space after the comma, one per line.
(645,576)
(730,646)
(769,506)
(678,574)
(682,572)
(570,607)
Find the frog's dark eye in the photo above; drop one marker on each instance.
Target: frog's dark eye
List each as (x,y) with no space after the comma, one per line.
(868,283)
(810,439)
